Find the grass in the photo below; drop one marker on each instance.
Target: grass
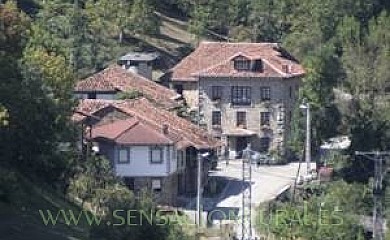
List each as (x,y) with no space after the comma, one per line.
(20,218)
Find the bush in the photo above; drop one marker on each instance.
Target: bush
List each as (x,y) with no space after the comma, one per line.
(9,184)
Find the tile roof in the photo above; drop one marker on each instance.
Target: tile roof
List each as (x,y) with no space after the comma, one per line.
(114,78)
(130,131)
(214,59)
(180,131)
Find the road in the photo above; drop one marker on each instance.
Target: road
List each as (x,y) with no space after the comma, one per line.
(267,182)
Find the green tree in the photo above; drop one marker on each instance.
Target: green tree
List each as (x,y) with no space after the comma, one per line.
(322,75)
(266,20)
(142,18)
(14,25)
(122,17)
(100,43)
(199,20)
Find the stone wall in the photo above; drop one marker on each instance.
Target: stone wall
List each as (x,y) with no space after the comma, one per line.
(190,92)
(284,93)
(169,187)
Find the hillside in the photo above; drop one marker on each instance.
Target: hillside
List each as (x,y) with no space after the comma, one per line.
(20,202)
(22,195)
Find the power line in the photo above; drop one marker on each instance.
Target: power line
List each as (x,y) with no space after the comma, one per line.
(377,216)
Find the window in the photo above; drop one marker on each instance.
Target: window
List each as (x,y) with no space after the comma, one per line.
(216,92)
(132,63)
(91,95)
(265,93)
(179,89)
(265,118)
(290,92)
(129,182)
(264,144)
(180,159)
(124,155)
(156,184)
(289,116)
(280,116)
(387,90)
(258,66)
(241,95)
(216,118)
(156,154)
(241,119)
(242,64)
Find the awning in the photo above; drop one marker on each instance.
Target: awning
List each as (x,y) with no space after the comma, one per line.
(239,132)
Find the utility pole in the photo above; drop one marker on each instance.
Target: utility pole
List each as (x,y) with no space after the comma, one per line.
(246,230)
(306,106)
(377,211)
(199,191)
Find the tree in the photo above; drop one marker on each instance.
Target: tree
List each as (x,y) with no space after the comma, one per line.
(60,27)
(326,214)
(199,20)
(14,26)
(142,18)
(122,17)
(322,74)
(99,20)
(265,20)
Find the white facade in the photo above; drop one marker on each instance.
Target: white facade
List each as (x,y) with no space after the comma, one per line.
(140,164)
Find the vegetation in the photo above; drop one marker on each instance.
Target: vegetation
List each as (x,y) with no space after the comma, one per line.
(41,55)
(320,212)
(45,46)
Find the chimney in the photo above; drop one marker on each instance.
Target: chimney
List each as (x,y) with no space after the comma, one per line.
(139,63)
(165,129)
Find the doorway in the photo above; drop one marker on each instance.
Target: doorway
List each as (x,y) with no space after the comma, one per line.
(241,144)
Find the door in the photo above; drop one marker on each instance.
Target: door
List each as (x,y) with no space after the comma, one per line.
(180,183)
(241,144)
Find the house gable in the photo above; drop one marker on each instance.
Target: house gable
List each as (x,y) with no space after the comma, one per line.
(213,59)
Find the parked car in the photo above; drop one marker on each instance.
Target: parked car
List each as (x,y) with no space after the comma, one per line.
(260,158)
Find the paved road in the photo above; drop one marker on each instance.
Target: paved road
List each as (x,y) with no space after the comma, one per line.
(267,182)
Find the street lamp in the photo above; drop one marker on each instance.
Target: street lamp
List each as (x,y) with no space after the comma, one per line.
(201,157)
(306,106)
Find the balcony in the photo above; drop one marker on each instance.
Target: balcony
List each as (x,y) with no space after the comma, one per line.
(243,126)
(265,126)
(216,101)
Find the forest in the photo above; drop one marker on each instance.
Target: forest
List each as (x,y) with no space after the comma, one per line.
(47,45)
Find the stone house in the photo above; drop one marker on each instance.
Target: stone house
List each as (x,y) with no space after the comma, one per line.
(151,148)
(243,93)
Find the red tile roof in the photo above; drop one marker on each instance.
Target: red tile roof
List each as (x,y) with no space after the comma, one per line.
(130,131)
(180,131)
(114,78)
(214,59)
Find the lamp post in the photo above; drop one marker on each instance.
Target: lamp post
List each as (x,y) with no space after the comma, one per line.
(199,191)
(306,106)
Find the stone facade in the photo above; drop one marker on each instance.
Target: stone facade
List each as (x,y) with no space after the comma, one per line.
(167,194)
(189,91)
(244,93)
(283,96)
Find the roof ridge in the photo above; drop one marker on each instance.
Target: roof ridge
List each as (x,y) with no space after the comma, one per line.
(274,68)
(240,43)
(127,129)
